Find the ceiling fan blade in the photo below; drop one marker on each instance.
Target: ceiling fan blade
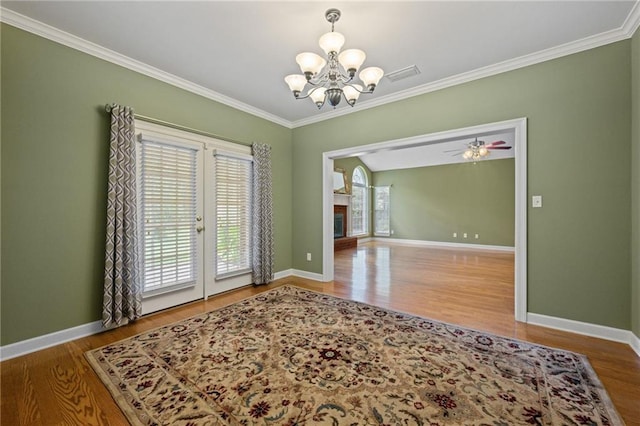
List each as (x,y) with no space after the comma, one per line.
(498,147)
(453,150)
(495,143)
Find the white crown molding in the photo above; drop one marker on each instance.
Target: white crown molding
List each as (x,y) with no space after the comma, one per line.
(51,33)
(632,22)
(36,27)
(624,32)
(586,329)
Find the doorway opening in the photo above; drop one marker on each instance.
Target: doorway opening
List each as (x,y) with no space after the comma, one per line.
(519,129)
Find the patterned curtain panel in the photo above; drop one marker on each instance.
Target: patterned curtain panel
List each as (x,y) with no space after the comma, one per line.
(122,293)
(263,250)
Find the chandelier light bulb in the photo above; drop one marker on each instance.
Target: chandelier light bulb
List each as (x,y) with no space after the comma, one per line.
(351,60)
(483,151)
(296,83)
(310,63)
(370,77)
(331,42)
(467,154)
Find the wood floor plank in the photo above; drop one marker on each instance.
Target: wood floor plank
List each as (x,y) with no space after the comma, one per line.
(29,411)
(469,288)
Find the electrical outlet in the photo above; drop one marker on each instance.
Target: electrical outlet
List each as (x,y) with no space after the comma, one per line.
(308,257)
(477,236)
(464,235)
(455,235)
(536,201)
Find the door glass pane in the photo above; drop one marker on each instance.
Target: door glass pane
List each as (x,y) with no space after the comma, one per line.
(167,213)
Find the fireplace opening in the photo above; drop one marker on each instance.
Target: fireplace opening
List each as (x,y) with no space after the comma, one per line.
(338,225)
(339,221)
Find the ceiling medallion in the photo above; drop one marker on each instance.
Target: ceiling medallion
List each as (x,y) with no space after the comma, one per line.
(333,78)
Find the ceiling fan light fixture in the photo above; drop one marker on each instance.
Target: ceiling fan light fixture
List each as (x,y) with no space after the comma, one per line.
(333,78)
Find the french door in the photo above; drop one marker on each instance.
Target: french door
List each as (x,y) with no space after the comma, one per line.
(189,227)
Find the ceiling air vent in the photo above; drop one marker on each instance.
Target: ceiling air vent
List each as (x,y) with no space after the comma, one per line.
(403,73)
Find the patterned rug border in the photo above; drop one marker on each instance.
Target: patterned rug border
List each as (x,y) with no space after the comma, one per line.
(132,417)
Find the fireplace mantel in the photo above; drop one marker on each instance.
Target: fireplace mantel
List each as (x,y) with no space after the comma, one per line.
(341,199)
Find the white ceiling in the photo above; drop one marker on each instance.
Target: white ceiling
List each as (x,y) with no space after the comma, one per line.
(239,52)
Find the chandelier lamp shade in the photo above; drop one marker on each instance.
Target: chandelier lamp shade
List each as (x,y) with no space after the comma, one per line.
(333,78)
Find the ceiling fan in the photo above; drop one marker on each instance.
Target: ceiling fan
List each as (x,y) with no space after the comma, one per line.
(477,149)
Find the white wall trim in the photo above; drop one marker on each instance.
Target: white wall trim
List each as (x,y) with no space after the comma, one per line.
(48,340)
(41,29)
(635,343)
(624,32)
(518,126)
(586,329)
(283,274)
(58,337)
(632,22)
(444,244)
(309,275)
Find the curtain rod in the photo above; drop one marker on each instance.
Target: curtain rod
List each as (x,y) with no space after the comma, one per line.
(152,120)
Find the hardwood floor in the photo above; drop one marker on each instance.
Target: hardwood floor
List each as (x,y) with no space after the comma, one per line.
(474,289)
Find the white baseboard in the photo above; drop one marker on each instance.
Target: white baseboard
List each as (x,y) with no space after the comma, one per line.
(52,339)
(425,243)
(309,275)
(58,337)
(586,329)
(635,343)
(283,274)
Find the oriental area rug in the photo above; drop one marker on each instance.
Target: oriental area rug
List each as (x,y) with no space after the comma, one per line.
(291,356)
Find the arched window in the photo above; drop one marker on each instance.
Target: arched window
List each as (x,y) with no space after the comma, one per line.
(359,202)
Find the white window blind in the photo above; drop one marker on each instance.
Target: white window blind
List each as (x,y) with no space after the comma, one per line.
(234,176)
(381,213)
(168,210)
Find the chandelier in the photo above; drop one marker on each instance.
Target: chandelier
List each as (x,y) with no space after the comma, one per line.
(333,78)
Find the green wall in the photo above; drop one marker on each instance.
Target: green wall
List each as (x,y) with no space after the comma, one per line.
(579,131)
(54,174)
(431,203)
(54,156)
(635,184)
